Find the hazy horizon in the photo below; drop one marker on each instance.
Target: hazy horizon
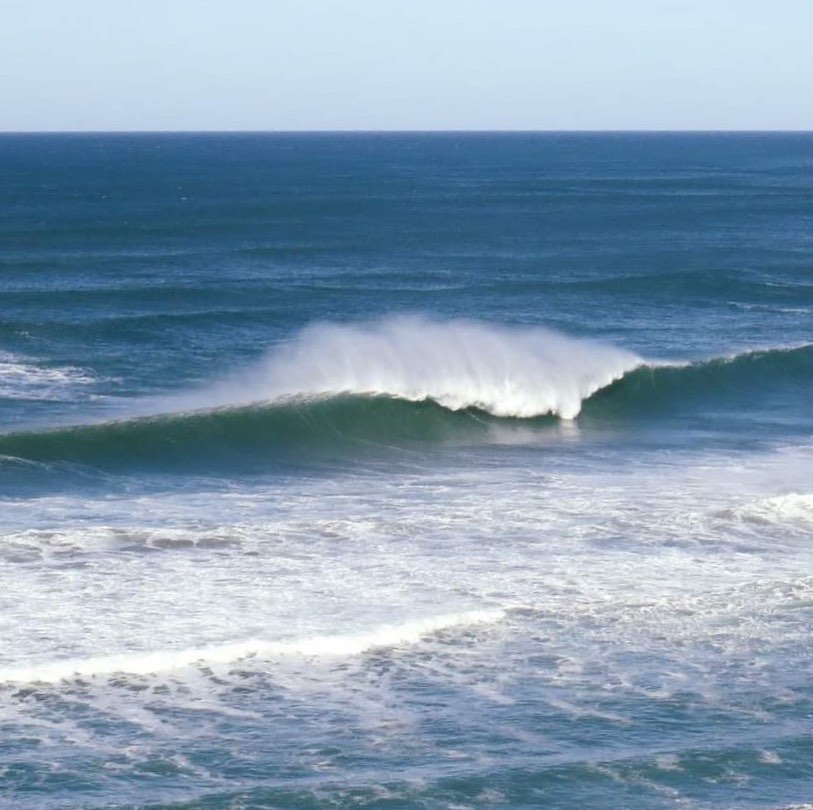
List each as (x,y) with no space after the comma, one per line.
(446,131)
(357,65)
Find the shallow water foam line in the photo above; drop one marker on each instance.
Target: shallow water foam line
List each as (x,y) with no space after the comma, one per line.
(148,663)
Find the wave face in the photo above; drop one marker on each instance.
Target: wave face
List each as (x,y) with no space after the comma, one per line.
(246,436)
(658,388)
(505,371)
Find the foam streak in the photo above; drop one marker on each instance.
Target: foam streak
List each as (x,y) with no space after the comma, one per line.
(148,663)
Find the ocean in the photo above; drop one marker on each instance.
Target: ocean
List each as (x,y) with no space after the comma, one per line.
(406,471)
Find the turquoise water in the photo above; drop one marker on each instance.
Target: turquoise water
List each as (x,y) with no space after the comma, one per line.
(392,471)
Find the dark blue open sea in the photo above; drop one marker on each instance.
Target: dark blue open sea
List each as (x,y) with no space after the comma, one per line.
(406,471)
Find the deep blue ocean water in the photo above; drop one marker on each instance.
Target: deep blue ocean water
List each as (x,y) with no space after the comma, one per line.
(406,470)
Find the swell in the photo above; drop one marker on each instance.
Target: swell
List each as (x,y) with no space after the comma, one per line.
(297,427)
(754,289)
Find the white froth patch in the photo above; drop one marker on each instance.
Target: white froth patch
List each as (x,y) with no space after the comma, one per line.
(668,762)
(21,378)
(794,509)
(149,663)
(507,371)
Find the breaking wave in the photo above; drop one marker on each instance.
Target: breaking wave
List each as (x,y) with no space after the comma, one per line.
(401,380)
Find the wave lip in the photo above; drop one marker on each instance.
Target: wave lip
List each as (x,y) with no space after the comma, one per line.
(503,370)
(324,646)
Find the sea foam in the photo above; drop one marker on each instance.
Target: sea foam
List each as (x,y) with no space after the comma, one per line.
(22,378)
(793,509)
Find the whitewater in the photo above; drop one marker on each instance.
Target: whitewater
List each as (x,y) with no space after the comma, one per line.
(432,471)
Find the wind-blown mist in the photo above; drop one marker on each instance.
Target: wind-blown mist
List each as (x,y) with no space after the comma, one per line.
(507,371)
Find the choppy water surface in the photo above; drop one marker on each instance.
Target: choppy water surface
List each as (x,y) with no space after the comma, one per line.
(432,471)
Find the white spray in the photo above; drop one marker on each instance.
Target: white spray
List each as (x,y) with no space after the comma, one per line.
(507,371)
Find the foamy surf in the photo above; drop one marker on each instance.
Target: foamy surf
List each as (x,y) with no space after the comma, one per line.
(791,510)
(507,371)
(22,378)
(320,646)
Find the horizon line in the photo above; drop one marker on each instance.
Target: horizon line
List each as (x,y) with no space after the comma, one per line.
(449,131)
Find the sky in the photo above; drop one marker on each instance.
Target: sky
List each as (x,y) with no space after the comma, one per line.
(97,65)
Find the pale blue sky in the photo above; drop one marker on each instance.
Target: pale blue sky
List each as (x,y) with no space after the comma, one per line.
(405,64)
